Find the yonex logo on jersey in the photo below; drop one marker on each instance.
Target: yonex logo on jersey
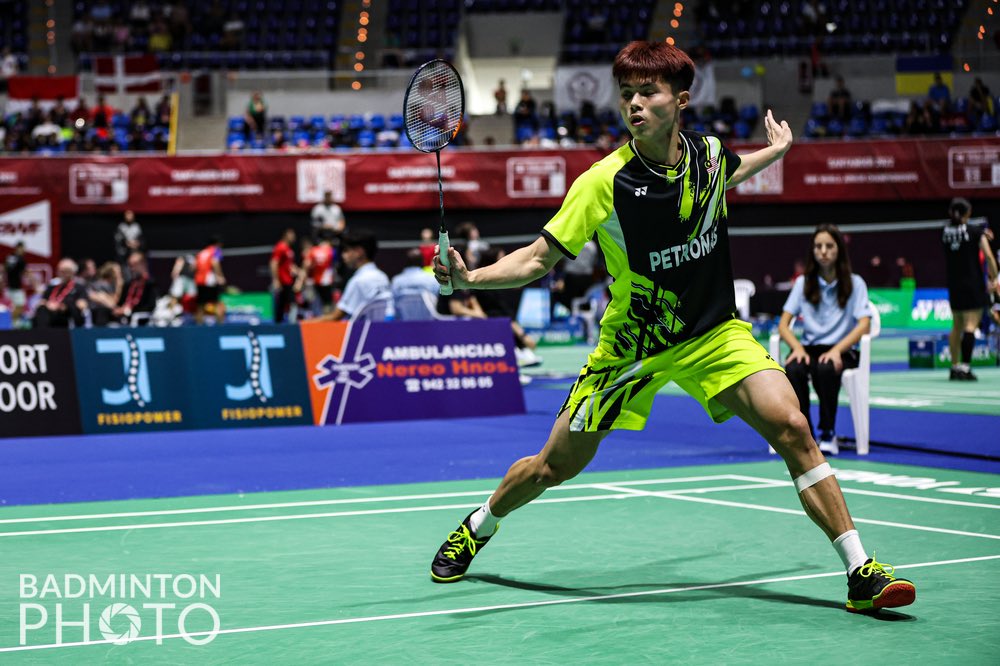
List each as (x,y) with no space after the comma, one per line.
(640,191)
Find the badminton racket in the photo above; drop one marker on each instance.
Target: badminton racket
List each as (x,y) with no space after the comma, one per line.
(433,109)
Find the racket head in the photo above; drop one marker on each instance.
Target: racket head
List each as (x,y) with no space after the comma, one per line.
(434,106)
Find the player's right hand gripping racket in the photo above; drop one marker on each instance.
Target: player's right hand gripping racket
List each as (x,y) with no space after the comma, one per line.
(432,111)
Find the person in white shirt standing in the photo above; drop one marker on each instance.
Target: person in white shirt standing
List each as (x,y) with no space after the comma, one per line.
(327,215)
(358,250)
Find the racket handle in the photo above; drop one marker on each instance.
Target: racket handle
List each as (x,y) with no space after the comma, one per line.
(446,289)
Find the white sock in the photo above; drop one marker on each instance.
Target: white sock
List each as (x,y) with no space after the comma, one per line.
(848,546)
(484,523)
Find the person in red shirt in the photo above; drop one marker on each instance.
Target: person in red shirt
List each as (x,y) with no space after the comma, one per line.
(209,279)
(283,274)
(317,266)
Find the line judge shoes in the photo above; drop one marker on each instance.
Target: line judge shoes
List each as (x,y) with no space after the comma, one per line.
(456,553)
(872,586)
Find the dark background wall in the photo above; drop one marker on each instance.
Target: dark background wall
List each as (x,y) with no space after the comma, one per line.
(754,257)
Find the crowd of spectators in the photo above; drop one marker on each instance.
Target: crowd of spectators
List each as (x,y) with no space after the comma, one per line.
(937,113)
(62,127)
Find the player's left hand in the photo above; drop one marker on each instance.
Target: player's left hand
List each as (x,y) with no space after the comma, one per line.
(832,356)
(779,135)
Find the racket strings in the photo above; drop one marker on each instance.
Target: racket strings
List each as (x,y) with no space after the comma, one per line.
(434,107)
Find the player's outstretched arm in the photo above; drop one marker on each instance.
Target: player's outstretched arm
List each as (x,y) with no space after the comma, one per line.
(516,269)
(779,140)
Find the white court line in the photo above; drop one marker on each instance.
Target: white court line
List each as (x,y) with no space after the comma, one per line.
(358,500)
(678,495)
(499,607)
(301,516)
(877,493)
(367,512)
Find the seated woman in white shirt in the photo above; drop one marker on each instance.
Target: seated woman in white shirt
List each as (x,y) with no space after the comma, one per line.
(833,305)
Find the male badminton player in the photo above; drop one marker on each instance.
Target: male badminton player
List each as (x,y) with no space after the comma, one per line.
(657,205)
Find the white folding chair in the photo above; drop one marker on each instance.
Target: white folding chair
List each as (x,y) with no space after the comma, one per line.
(744,289)
(417,306)
(856,381)
(377,309)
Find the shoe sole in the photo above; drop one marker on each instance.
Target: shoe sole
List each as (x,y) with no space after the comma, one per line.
(893,596)
(453,579)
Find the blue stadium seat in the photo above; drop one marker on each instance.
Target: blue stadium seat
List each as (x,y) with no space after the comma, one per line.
(396,122)
(376,122)
(366,138)
(741,129)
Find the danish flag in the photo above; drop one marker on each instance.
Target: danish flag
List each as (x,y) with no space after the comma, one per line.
(127,74)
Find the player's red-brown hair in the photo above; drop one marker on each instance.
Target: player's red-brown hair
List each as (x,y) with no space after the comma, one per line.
(652,61)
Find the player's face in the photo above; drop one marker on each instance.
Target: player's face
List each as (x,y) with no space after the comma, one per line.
(650,109)
(825,250)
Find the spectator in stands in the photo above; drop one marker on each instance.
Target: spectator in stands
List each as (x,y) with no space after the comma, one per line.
(833,304)
(88,272)
(101,114)
(160,40)
(81,114)
(141,116)
(428,245)
(104,292)
(939,94)
(46,132)
(500,95)
(15,265)
(35,115)
(413,277)
(283,275)
(327,215)
(232,32)
(468,233)
(59,113)
(63,301)
(839,101)
(8,68)
(81,35)
(980,99)
(318,268)
(183,290)
(139,15)
(140,293)
(129,238)
(179,24)
(919,120)
(256,115)
(209,279)
(163,112)
(368,283)
(525,111)
(965,246)
(121,36)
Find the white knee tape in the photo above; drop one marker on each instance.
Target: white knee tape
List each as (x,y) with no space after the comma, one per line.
(813,476)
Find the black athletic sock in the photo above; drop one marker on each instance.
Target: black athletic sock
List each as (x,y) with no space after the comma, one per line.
(968,342)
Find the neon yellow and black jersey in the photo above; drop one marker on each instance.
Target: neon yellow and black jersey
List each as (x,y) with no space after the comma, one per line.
(665,241)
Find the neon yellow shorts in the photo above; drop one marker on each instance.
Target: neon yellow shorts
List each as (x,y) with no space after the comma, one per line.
(612,393)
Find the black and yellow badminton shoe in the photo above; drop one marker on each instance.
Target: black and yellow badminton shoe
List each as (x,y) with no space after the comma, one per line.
(455,555)
(872,586)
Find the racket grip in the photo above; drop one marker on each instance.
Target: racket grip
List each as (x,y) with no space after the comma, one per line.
(446,289)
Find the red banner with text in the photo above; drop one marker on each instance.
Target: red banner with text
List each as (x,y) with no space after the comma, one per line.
(845,171)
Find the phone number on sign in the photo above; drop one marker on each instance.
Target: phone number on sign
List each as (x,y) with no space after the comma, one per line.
(448,384)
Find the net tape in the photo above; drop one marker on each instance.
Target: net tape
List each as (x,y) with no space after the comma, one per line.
(434,106)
